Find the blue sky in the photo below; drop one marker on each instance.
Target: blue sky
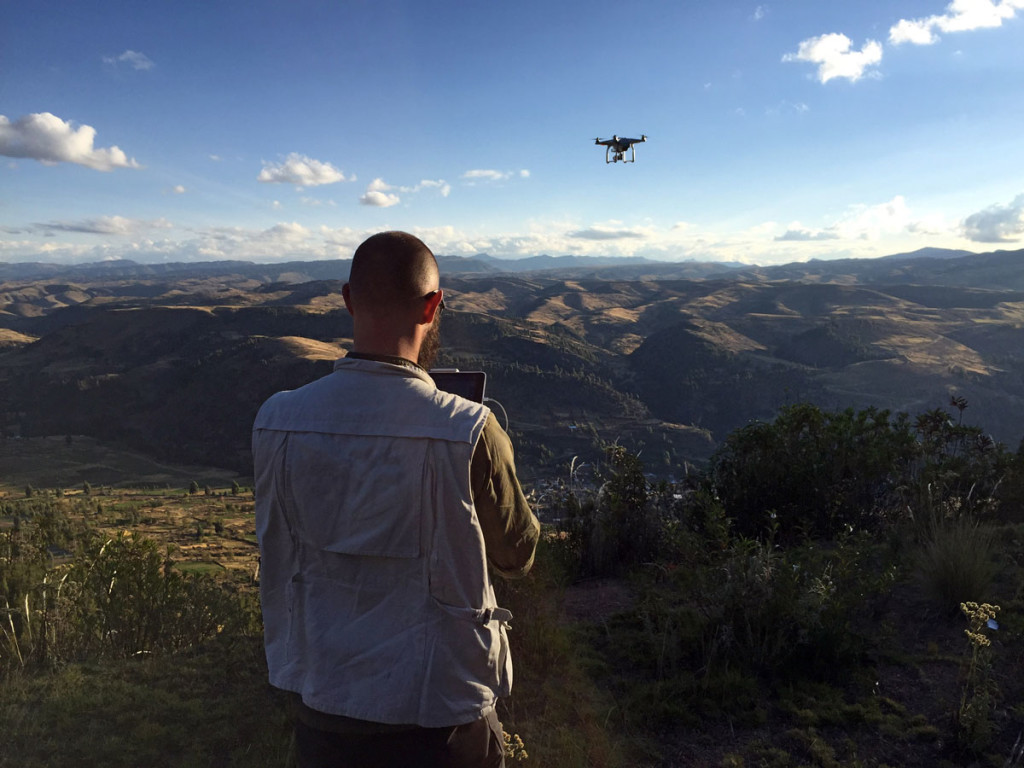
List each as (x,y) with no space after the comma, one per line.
(269,131)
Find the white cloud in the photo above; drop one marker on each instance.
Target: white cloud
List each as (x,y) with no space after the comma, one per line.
(378,196)
(313,202)
(134,59)
(442,186)
(484,174)
(960,16)
(758,13)
(871,222)
(917,32)
(835,58)
(786,107)
(997,223)
(379,199)
(285,232)
(178,190)
(932,225)
(45,137)
(344,238)
(300,170)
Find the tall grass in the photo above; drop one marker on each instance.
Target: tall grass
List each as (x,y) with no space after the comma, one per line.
(956,561)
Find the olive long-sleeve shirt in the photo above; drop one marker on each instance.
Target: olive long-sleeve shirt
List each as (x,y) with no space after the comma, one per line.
(511,530)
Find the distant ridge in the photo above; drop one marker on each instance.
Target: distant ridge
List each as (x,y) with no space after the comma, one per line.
(334,269)
(545,262)
(996,270)
(931,253)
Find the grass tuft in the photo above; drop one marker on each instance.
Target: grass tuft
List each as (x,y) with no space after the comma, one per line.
(956,562)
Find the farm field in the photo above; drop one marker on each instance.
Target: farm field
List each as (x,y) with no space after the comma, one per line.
(210,529)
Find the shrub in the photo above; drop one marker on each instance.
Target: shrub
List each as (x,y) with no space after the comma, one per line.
(616,527)
(116,598)
(811,472)
(119,600)
(789,613)
(959,469)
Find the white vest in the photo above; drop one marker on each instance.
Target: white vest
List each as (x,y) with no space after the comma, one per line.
(376,599)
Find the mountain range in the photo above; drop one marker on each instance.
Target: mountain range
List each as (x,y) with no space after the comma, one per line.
(174,359)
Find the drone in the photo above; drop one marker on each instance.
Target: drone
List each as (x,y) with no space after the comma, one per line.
(616,148)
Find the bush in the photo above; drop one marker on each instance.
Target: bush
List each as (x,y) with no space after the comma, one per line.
(785,613)
(811,472)
(616,527)
(959,470)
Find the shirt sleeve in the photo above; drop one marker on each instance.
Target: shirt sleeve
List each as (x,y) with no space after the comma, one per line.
(510,528)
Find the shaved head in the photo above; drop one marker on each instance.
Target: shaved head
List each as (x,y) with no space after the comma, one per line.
(391,270)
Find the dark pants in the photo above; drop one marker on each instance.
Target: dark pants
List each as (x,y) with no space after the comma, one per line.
(474,745)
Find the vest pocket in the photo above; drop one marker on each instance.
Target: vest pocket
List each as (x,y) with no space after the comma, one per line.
(479,639)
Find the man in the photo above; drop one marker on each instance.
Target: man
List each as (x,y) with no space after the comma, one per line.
(380,501)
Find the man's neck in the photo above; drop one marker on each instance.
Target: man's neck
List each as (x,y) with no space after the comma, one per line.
(392,359)
(373,341)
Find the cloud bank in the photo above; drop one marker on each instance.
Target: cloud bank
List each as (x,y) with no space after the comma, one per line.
(861,230)
(45,137)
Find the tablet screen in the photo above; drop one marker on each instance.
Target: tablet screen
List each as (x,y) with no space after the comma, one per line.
(467,384)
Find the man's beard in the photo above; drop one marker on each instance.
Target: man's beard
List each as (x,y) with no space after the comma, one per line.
(431,344)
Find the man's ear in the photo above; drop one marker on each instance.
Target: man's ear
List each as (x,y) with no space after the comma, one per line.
(348,299)
(431,307)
